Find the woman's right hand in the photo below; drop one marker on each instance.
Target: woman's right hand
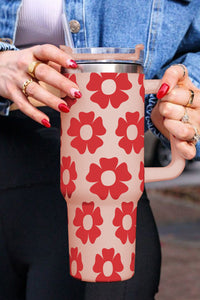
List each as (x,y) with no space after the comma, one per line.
(14,72)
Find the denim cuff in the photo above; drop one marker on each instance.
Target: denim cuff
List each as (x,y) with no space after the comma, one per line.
(151,101)
(5,103)
(6,46)
(197,157)
(4,106)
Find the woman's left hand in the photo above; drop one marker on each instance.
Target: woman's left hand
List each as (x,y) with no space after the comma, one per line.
(178,110)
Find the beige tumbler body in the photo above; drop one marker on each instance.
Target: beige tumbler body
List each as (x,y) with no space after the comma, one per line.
(102,173)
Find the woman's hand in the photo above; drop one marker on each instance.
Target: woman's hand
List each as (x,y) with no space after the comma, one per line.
(178,110)
(14,73)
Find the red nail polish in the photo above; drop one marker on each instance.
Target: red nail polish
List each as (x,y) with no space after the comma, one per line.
(63,107)
(46,123)
(77,95)
(72,64)
(162,90)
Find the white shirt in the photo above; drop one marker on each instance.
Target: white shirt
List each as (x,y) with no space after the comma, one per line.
(40,22)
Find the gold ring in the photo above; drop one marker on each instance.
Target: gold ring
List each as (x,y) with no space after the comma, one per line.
(32,67)
(25,84)
(185,118)
(184,69)
(191,99)
(196,136)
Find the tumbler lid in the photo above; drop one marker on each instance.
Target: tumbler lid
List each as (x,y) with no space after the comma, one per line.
(107,54)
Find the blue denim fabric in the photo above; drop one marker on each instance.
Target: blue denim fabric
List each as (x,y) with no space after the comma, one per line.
(169,30)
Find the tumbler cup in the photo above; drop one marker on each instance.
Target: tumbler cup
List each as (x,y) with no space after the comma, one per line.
(102,161)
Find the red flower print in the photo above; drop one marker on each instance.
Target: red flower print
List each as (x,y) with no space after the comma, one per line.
(125,220)
(109,87)
(108,265)
(88,220)
(86,131)
(108,177)
(67,175)
(69,100)
(140,81)
(132,130)
(132,266)
(76,265)
(141,176)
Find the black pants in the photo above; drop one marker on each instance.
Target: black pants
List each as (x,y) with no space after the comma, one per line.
(33,224)
(33,251)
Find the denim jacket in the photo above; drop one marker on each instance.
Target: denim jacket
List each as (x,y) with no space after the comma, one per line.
(169,30)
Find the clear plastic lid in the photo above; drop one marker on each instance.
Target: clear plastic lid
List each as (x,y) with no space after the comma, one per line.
(104,54)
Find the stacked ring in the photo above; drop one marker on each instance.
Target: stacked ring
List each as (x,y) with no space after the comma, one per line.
(196,136)
(185,118)
(25,84)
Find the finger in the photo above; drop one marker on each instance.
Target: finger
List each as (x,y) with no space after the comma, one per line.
(50,76)
(171,111)
(182,96)
(173,75)
(182,131)
(27,108)
(42,95)
(186,149)
(57,68)
(49,52)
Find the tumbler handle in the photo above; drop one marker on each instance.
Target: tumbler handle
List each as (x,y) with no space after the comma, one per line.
(177,164)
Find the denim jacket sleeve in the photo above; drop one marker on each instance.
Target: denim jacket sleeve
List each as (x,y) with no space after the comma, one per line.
(6,46)
(5,103)
(188,54)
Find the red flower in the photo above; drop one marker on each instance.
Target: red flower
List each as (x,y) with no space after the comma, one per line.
(141,176)
(109,87)
(87,219)
(132,130)
(76,264)
(67,175)
(125,220)
(140,81)
(69,100)
(132,266)
(86,132)
(108,177)
(108,265)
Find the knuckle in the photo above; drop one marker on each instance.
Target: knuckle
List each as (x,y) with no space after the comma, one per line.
(21,63)
(190,155)
(45,48)
(41,71)
(166,110)
(185,133)
(63,86)
(172,71)
(190,152)
(173,95)
(31,88)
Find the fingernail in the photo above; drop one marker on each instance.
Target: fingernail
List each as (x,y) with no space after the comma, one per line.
(162,90)
(75,93)
(63,107)
(46,123)
(72,64)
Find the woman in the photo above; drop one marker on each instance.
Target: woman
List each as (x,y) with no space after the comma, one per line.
(33,227)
